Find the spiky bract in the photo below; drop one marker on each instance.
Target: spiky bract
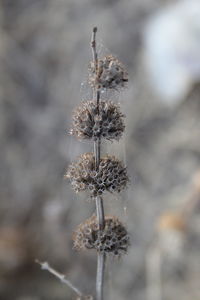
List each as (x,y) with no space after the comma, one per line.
(111,175)
(90,122)
(110,74)
(112,239)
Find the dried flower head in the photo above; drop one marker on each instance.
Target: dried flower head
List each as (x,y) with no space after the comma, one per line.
(111,175)
(110,73)
(112,239)
(91,123)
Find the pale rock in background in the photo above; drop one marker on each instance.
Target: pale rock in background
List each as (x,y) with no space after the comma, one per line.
(172,50)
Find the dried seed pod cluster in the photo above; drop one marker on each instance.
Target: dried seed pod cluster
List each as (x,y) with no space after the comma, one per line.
(90,122)
(96,120)
(110,73)
(111,175)
(112,239)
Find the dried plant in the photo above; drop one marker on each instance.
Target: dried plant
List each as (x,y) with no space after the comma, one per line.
(113,239)
(106,122)
(111,175)
(107,73)
(98,120)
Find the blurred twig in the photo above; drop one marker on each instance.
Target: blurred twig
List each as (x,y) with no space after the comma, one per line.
(45,266)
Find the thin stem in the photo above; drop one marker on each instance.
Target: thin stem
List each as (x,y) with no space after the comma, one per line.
(97,153)
(100,212)
(98,199)
(93,45)
(45,266)
(98,99)
(100,275)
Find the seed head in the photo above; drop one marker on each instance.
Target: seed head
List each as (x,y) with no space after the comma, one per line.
(91,123)
(112,239)
(110,73)
(111,175)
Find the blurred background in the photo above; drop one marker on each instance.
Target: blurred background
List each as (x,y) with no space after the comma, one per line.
(44,57)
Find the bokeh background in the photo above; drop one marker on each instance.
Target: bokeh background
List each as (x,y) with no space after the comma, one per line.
(44,57)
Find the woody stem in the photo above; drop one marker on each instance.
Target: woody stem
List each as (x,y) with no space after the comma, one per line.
(98,199)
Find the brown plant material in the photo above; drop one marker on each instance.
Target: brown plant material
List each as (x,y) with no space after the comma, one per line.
(110,73)
(111,175)
(14,252)
(196,183)
(89,297)
(171,221)
(90,122)
(112,239)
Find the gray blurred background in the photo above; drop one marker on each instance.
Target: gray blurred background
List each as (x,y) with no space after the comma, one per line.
(44,57)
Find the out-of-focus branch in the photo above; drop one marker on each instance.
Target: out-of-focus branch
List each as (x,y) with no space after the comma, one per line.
(45,266)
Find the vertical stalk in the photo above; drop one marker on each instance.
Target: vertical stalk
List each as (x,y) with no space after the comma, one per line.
(100,275)
(98,199)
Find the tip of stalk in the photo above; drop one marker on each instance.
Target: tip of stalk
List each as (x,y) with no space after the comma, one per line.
(95,29)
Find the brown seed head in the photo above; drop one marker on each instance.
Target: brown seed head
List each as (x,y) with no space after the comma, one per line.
(110,73)
(113,239)
(91,123)
(111,175)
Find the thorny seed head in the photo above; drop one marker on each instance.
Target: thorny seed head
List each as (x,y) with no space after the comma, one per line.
(91,123)
(110,73)
(113,239)
(111,175)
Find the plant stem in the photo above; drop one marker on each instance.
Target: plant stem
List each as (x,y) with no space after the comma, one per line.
(100,275)
(93,45)
(99,201)
(46,266)
(100,212)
